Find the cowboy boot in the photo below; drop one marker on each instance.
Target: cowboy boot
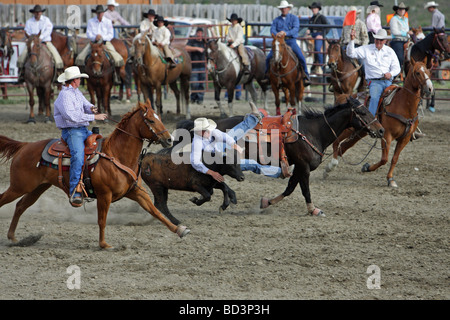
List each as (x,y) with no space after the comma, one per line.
(306,79)
(246,69)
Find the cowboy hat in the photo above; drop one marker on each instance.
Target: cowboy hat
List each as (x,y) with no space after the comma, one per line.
(112,3)
(315,5)
(98,9)
(203,124)
(160,18)
(431,4)
(285,4)
(400,6)
(353,8)
(70,74)
(37,8)
(376,3)
(381,35)
(234,16)
(150,12)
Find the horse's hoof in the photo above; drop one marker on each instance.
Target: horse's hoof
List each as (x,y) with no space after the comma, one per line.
(365,168)
(223,115)
(392,183)
(182,231)
(318,213)
(31,121)
(264,203)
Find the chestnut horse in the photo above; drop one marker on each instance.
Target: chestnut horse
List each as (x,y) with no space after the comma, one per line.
(345,76)
(39,72)
(399,119)
(227,72)
(101,74)
(285,73)
(153,73)
(116,174)
(6,52)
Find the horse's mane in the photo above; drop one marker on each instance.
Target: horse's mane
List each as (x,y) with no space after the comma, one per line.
(310,114)
(122,124)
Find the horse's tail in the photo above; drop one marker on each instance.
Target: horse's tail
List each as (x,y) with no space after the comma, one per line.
(9,147)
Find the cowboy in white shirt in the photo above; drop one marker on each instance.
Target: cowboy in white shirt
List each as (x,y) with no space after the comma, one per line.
(235,39)
(161,37)
(145,28)
(380,62)
(115,16)
(35,25)
(100,28)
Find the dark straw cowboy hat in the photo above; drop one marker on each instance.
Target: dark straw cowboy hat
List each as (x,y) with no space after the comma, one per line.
(234,16)
(150,12)
(98,9)
(160,18)
(315,5)
(37,8)
(400,6)
(376,3)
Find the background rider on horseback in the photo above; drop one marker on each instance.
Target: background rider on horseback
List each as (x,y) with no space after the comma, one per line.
(288,25)
(235,40)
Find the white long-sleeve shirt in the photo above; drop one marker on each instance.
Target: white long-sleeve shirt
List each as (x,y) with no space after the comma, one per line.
(147,25)
(376,62)
(235,34)
(215,143)
(399,27)
(103,28)
(161,36)
(43,25)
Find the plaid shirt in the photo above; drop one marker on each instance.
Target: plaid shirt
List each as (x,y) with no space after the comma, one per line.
(72,109)
(361,36)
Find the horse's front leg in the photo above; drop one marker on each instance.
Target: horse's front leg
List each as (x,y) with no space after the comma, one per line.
(103,203)
(276,92)
(176,91)
(292,184)
(230,92)
(31,118)
(139,195)
(217,98)
(159,99)
(398,149)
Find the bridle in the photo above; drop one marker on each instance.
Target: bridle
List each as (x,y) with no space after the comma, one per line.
(440,45)
(149,126)
(284,45)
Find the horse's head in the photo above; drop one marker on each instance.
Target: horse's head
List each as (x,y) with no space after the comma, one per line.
(153,129)
(98,58)
(334,54)
(6,48)
(362,119)
(421,76)
(34,48)
(440,42)
(278,46)
(418,33)
(212,54)
(139,49)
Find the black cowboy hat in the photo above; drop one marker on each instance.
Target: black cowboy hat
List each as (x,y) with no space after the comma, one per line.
(160,18)
(376,3)
(98,9)
(234,16)
(150,12)
(400,6)
(37,8)
(315,5)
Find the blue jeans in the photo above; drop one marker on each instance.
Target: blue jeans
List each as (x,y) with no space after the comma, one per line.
(318,46)
(376,88)
(298,52)
(198,74)
(239,130)
(397,46)
(252,165)
(75,137)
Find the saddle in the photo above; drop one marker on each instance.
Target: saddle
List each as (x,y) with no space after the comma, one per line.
(57,155)
(276,129)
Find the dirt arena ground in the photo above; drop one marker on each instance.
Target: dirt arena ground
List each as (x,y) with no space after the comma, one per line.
(281,253)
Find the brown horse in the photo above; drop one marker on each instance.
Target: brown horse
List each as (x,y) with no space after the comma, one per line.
(68,47)
(399,119)
(39,73)
(227,72)
(286,74)
(345,75)
(116,174)
(6,52)
(153,72)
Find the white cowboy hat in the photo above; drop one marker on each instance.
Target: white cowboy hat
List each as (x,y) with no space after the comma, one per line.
(202,124)
(112,3)
(70,74)
(353,8)
(381,34)
(431,4)
(285,4)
